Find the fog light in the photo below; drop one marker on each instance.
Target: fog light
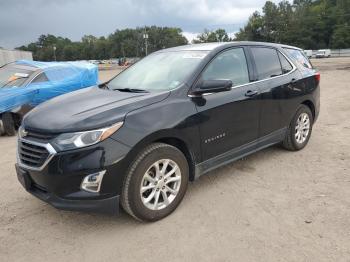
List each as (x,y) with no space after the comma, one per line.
(92,182)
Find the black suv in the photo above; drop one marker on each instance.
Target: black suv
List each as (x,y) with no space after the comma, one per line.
(178,113)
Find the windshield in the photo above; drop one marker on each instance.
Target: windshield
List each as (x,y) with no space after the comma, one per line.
(11,76)
(159,72)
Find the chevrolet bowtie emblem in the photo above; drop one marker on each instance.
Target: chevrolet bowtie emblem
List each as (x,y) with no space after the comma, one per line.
(23,132)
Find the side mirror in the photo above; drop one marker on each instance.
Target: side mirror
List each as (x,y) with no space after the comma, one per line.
(212,86)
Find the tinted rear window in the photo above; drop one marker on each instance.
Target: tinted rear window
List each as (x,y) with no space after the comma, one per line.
(299,56)
(267,62)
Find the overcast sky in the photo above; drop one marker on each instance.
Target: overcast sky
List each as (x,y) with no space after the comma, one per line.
(22,21)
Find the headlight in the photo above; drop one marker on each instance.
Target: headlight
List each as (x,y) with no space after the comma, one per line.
(82,139)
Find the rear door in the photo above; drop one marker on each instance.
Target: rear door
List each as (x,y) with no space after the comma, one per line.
(228,120)
(275,77)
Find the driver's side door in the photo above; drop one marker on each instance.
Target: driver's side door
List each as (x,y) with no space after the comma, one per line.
(229,120)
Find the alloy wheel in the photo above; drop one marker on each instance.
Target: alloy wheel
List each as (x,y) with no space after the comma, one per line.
(160,184)
(302,128)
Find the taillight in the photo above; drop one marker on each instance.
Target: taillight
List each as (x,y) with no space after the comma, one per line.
(317,77)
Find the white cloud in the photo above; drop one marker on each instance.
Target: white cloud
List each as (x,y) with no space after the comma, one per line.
(190,36)
(22,23)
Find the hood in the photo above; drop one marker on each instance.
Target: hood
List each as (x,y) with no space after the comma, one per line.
(87,109)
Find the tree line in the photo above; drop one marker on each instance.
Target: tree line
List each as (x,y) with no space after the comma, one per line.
(121,43)
(309,24)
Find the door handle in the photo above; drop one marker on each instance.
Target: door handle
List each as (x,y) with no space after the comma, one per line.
(293,81)
(251,93)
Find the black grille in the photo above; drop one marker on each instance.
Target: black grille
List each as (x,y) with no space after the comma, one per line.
(39,136)
(32,155)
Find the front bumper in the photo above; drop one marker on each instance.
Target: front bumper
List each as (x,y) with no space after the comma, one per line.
(58,182)
(107,205)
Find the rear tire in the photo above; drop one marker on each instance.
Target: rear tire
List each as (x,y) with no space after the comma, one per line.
(300,129)
(156,182)
(9,124)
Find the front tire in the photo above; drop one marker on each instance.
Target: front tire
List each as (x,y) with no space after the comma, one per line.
(155,183)
(299,131)
(9,124)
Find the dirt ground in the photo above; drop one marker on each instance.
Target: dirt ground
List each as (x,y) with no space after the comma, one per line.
(274,205)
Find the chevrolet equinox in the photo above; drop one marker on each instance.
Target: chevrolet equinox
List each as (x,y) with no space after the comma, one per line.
(138,139)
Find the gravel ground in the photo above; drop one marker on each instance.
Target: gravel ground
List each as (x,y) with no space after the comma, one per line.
(271,206)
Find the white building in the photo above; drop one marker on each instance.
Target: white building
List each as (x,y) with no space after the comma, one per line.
(8,56)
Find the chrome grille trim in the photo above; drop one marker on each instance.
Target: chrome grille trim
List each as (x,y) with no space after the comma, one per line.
(50,153)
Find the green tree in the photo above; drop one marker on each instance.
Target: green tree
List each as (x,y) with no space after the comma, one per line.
(310,24)
(253,31)
(219,35)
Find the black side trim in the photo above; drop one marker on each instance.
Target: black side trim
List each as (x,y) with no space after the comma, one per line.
(239,152)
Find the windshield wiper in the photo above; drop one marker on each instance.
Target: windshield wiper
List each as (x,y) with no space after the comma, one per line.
(132,90)
(104,86)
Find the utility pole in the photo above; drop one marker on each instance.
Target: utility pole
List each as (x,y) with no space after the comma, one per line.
(145,36)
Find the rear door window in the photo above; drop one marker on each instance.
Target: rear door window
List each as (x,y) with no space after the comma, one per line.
(231,65)
(267,62)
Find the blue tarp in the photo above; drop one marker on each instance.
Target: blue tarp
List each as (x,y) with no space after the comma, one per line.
(63,77)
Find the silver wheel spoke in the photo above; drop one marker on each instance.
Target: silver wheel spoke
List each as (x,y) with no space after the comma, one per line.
(149,178)
(173,179)
(156,199)
(165,165)
(156,166)
(165,198)
(172,171)
(172,191)
(145,188)
(303,118)
(149,198)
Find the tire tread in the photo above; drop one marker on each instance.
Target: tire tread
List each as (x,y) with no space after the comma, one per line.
(9,124)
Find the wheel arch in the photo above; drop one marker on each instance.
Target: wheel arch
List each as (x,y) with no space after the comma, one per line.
(182,146)
(311,105)
(171,139)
